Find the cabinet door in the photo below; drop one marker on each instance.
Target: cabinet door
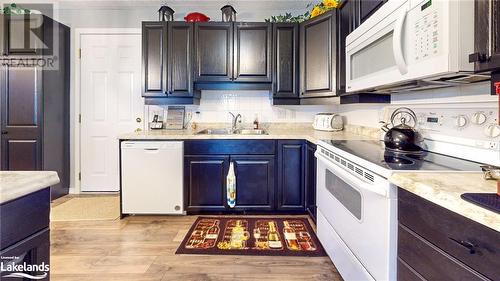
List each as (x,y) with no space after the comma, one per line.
(346,23)
(205,182)
(21,109)
(310,180)
(368,7)
(23,34)
(34,250)
(291,175)
(487,35)
(254,182)
(318,56)
(154,59)
(252,52)
(213,51)
(180,47)
(285,60)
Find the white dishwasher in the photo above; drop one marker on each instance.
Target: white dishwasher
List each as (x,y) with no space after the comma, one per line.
(152,177)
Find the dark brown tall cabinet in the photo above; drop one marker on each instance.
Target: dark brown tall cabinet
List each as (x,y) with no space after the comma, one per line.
(487,36)
(34,105)
(318,56)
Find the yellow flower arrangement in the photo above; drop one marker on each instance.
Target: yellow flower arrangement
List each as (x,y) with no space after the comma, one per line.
(324,6)
(316,11)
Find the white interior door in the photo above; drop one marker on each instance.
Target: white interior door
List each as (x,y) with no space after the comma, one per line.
(111,102)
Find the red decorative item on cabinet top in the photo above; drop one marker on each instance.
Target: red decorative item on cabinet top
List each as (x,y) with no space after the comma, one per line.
(196,17)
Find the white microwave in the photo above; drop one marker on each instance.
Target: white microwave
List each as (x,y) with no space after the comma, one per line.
(412,45)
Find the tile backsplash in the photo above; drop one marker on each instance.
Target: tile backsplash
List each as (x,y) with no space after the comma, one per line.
(215,107)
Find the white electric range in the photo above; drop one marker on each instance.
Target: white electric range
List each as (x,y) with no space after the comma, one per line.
(357,205)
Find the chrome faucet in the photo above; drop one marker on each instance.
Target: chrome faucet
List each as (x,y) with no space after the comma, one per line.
(236,119)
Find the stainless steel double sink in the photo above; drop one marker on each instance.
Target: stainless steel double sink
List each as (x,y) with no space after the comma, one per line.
(232,132)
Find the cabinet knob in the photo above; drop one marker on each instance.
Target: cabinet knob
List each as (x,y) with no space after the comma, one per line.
(4,132)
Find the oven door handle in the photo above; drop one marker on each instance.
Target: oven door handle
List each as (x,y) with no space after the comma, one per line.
(397,44)
(351,179)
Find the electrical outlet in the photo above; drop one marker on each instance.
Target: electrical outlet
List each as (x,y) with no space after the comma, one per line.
(493,145)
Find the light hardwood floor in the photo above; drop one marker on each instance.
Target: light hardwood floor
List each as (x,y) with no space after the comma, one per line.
(142,248)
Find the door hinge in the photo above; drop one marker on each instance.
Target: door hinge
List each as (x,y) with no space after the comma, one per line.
(79,118)
(80,53)
(79,176)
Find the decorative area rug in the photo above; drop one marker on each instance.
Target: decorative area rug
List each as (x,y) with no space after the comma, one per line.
(87,208)
(266,236)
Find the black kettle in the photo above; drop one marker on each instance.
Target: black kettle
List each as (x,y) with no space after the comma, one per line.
(402,136)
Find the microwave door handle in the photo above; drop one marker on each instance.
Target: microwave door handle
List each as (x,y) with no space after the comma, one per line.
(397,44)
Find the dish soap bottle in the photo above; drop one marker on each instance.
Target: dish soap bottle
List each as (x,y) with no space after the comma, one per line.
(231,187)
(256,123)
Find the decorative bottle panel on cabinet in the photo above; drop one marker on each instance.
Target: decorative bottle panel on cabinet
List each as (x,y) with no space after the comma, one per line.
(318,56)
(291,175)
(213,51)
(179,59)
(254,182)
(205,182)
(154,59)
(252,52)
(285,60)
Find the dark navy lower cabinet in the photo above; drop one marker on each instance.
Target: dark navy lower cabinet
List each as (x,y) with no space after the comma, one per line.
(254,182)
(24,234)
(205,182)
(291,175)
(310,180)
(271,176)
(437,244)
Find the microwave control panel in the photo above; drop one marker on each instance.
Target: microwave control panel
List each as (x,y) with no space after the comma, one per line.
(426,30)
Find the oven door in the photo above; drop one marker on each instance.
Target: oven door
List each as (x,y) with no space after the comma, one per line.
(363,216)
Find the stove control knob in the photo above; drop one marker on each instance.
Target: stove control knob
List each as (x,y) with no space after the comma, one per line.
(479,118)
(461,121)
(492,130)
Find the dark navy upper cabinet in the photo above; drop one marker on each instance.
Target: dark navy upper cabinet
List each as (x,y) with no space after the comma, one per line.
(486,55)
(213,43)
(367,8)
(291,193)
(318,56)
(154,59)
(254,182)
(252,52)
(285,60)
(180,59)
(205,182)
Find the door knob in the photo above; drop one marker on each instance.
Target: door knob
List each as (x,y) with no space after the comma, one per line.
(138,120)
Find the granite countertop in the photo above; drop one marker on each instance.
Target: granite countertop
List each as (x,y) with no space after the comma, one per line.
(444,189)
(275,131)
(15,184)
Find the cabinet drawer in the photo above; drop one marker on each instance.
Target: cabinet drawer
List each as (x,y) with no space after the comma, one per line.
(429,261)
(448,231)
(24,216)
(227,147)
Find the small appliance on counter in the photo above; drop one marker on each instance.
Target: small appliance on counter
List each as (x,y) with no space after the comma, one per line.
(329,122)
(157,123)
